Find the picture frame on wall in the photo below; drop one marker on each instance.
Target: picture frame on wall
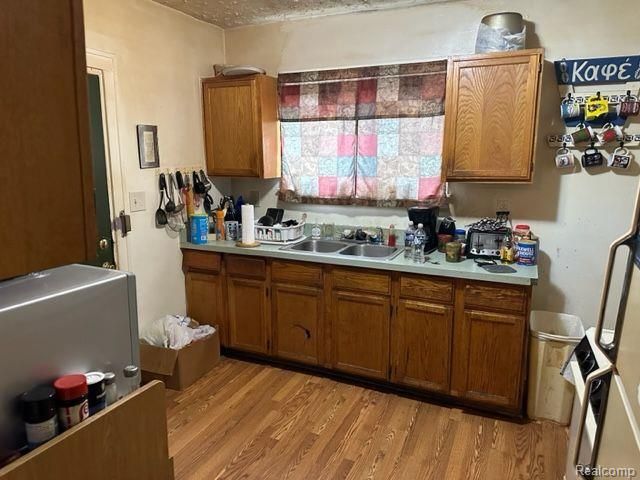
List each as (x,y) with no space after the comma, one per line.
(148,146)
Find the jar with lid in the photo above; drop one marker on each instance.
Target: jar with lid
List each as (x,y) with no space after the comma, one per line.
(72,399)
(110,388)
(520,232)
(132,379)
(39,415)
(97,394)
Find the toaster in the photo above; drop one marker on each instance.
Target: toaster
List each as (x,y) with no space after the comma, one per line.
(485,243)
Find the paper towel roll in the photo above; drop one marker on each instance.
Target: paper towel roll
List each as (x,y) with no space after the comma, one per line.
(248,230)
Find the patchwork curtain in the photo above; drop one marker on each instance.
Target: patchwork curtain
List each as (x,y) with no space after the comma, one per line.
(370,136)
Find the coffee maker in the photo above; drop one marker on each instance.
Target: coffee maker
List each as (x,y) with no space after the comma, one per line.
(428,217)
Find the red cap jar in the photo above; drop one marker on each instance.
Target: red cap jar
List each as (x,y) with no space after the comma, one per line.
(72,399)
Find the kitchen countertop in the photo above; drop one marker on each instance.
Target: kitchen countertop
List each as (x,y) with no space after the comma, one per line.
(467,269)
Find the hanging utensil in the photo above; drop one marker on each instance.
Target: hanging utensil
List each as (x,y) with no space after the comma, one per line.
(205,180)
(177,208)
(161,215)
(198,186)
(170,206)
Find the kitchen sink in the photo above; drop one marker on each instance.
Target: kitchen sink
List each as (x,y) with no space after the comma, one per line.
(335,247)
(317,246)
(371,251)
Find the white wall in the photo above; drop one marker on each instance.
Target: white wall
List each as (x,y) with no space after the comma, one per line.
(160,56)
(576,215)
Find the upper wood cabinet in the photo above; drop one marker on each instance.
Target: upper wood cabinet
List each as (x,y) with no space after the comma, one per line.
(46,179)
(241,126)
(491,115)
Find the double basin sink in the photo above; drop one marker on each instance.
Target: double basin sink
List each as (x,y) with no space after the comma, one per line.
(328,247)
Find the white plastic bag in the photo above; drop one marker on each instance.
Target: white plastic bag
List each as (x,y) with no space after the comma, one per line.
(174,331)
(491,39)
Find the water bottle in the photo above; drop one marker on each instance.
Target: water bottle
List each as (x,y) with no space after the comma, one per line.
(418,244)
(409,235)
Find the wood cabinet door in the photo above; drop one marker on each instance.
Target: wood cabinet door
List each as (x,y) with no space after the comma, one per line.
(297,312)
(360,333)
(248,315)
(491,105)
(232,128)
(46,182)
(205,301)
(421,345)
(490,361)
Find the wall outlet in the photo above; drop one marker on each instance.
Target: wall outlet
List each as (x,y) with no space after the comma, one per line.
(137,202)
(503,205)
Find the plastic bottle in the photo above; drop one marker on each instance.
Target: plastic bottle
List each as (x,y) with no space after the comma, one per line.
(391,239)
(418,244)
(409,235)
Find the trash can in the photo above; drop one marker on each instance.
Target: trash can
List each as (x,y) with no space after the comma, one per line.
(553,337)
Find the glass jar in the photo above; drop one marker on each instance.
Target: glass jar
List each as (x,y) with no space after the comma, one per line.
(110,388)
(131,378)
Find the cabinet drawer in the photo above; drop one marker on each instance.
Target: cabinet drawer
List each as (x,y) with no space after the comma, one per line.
(298,273)
(437,289)
(195,260)
(502,297)
(246,266)
(366,280)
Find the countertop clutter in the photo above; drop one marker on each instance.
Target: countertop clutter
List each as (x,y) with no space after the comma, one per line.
(435,264)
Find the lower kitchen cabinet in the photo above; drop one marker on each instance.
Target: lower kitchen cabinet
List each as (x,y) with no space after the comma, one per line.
(204,286)
(248,314)
(462,339)
(421,345)
(490,363)
(297,313)
(360,333)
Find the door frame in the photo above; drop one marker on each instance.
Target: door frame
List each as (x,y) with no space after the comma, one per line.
(103,65)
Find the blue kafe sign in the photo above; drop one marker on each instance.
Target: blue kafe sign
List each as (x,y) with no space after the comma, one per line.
(598,70)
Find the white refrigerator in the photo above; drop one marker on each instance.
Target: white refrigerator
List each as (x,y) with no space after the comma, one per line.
(615,451)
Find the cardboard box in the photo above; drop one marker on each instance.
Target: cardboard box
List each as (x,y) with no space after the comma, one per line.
(180,368)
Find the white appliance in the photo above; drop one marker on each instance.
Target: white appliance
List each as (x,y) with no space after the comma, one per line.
(605,428)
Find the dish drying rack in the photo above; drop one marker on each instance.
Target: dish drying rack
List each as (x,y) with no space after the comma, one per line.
(279,235)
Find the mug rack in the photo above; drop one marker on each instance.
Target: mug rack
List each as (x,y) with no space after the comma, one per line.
(565,140)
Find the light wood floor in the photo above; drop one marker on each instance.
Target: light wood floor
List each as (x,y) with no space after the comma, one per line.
(257,422)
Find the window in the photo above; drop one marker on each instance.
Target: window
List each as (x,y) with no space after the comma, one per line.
(367,136)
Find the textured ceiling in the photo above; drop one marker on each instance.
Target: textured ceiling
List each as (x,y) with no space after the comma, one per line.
(234,13)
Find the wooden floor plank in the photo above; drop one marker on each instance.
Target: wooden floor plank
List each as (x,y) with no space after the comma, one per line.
(249,421)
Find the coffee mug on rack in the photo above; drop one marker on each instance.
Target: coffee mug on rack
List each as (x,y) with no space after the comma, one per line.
(592,157)
(583,134)
(595,107)
(564,158)
(621,158)
(610,133)
(629,106)
(570,109)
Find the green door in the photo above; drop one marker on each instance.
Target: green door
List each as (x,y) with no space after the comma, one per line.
(104,249)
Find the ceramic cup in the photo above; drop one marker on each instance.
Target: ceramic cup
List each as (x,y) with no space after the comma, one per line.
(629,106)
(570,109)
(621,158)
(610,133)
(564,158)
(583,134)
(592,158)
(595,107)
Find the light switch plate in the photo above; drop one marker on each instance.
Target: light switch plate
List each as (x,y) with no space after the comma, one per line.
(137,202)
